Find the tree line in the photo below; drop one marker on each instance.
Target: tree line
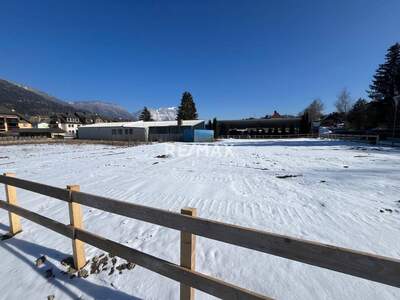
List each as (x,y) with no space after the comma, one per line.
(380,111)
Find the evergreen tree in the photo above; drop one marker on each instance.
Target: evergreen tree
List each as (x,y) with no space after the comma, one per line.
(215,127)
(209,125)
(358,115)
(187,109)
(145,115)
(305,124)
(385,85)
(386,82)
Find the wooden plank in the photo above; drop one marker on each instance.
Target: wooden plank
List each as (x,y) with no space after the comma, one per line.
(210,285)
(372,267)
(199,281)
(75,217)
(369,266)
(188,255)
(47,190)
(41,220)
(11,195)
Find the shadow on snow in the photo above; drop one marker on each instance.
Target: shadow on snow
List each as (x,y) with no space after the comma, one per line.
(60,280)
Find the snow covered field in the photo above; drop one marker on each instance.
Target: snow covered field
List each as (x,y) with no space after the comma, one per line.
(344,194)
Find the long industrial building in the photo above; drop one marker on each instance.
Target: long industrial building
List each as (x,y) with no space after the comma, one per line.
(143,131)
(278,125)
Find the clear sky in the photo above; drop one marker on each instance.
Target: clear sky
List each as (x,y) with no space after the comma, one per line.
(237,58)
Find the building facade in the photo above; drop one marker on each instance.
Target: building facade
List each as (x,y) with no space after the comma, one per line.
(271,126)
(10,121)
(140,131)
(67,122)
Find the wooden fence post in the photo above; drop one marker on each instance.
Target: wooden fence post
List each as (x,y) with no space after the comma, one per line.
(11,194)
(75,217)
(188,254)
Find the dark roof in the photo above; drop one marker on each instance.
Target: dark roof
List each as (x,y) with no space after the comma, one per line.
(87,118)
(62,117)
(21,117)
(259,123)
(41,130)
(6,111)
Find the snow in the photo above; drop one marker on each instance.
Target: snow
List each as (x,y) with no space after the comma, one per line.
(336,198)
(160,114)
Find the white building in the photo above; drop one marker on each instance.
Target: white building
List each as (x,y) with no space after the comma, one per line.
(67,122)
(141,131)
(42,125)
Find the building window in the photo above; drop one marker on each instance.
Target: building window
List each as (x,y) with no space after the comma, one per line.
(126,131)
(131,131)
(113,131)
(119,131)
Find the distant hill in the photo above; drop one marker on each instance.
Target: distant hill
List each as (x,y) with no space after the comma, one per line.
(109,110)
(31,102)
(160,114)
(28,101)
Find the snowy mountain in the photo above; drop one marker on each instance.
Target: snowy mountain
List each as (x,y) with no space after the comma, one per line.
(160,114)
(30,102)
(110,110)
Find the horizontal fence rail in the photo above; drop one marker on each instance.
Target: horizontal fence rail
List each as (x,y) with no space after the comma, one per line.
(197,280)
(352,137)
(355,263)
(368,266)
(268,136)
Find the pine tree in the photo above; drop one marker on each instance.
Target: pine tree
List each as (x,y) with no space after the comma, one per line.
(187,109)
(305,123)
(386,82)
(385,85)
(145,115)
(215,127)
(358,114)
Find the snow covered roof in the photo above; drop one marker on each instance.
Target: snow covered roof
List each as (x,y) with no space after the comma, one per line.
(142,124)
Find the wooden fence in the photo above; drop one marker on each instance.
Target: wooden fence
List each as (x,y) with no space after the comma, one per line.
(368,266)
(369,138)
(268,136)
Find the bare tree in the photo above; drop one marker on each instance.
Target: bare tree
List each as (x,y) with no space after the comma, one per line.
(315,110)
(343,102)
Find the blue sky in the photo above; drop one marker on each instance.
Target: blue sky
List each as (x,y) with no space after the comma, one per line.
(237,58)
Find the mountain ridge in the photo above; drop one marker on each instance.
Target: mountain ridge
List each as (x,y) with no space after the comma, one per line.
(104,108)
(29,102)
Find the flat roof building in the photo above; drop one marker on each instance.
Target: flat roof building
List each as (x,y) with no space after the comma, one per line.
(274,125)
(140,130)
